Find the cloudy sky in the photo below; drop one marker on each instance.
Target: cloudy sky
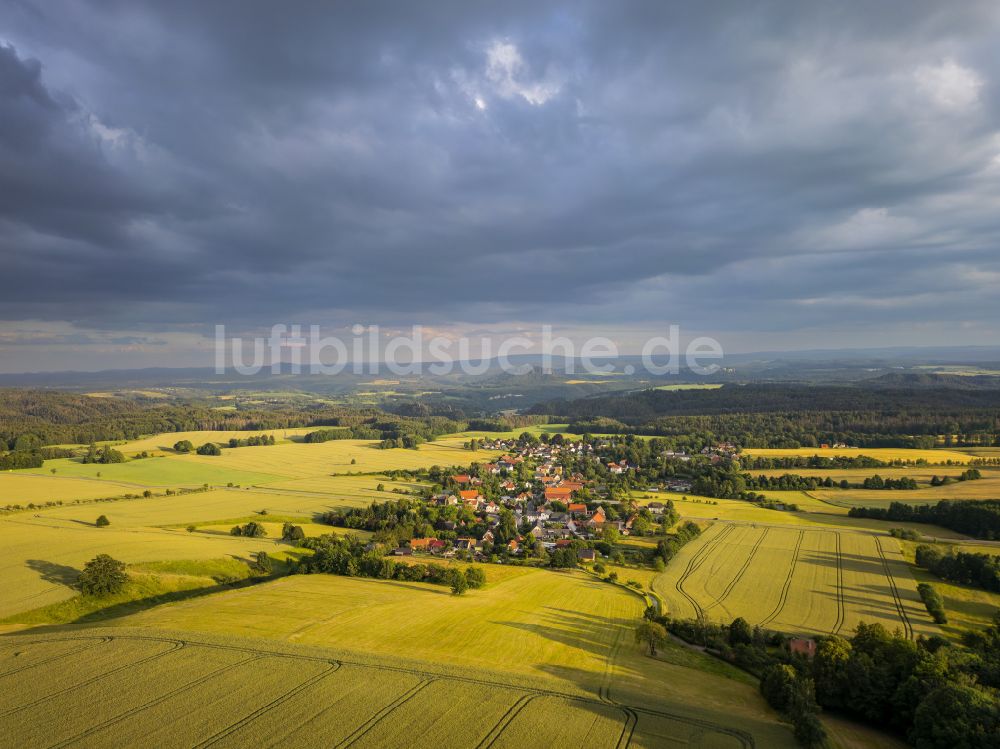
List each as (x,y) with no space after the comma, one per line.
(776,174)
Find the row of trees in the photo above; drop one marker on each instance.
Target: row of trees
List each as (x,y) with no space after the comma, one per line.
(104,455)
(978,518)
(980,570)
(256,440)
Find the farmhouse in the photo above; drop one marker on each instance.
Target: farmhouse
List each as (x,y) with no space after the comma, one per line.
(802,646)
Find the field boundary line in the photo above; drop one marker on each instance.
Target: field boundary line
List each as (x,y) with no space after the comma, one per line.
(900,608)
(739,575)
(154,702)
(384,712)
(783,599)
(332,667)
(177,645)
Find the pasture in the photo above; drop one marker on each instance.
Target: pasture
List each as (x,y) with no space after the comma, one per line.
(245,693)
(804,580)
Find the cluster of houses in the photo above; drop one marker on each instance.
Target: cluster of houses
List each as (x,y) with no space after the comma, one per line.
(553,514)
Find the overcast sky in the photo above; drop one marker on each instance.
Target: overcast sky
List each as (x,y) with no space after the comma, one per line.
(778,175)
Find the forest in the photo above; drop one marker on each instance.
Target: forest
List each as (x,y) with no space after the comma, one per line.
(788,416)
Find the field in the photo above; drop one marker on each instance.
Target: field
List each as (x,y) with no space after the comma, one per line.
(813,513)
(24,488)
(287,465)
(42,551)
(40,559)
(879,453)
(804,580)
(535,657)
(566,633)
(241,693)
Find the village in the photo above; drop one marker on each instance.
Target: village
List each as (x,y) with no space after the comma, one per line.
(550,507)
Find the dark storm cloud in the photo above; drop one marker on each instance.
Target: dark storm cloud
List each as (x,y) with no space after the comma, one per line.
(733,166)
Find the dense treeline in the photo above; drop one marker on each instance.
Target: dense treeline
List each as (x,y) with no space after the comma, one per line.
(30,419)
(980,570)
(788,416)
(352,557)
(47,418)
(936,695)
(978,518)
(21,459)
(257,440)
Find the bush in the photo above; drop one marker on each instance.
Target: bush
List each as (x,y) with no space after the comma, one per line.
(934,602)
(102,575)
(209,448)
(250,530)
(459,584)
(475,577)
(102,521)
(183,446)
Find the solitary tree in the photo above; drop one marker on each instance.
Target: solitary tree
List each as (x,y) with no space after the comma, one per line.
(102,575)
(261,563)
(459,584)
(102,521)
(652,634)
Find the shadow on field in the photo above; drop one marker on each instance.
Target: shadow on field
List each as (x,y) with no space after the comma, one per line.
(136,606)
(51,572)
(574,629)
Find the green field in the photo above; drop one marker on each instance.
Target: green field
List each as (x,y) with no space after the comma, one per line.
(804,580)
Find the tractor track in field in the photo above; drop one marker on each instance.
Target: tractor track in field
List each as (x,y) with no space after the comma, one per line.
(377,718)
(841,602)
(97,641)
(739,574)
(154,702)
(177,645)
(506,719)
(788,582)
(897,599)
(631,713)
(279,700)
(695,563)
